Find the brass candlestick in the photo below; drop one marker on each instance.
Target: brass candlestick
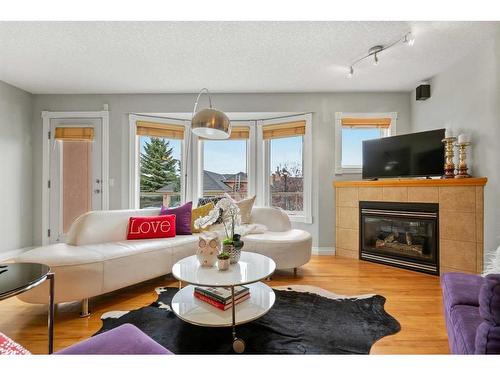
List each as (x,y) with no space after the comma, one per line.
(462,163)
(449,166)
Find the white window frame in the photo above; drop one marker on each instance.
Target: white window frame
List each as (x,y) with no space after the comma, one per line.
(134,165)
(251,161)
(338,136)
(264,156)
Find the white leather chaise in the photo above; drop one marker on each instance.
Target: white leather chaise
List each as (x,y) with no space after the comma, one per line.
(289,248)
(97,258)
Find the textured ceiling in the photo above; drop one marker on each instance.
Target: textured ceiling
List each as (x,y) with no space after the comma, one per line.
(156,57)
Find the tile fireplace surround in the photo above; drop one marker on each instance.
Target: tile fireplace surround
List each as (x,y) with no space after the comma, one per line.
(460,215)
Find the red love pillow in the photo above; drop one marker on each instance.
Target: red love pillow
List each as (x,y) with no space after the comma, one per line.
(144,227)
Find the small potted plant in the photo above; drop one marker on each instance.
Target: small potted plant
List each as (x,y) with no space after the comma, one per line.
(230,219)
(223,261)
(227,245)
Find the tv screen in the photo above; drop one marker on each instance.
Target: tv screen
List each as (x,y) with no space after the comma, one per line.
(410,155)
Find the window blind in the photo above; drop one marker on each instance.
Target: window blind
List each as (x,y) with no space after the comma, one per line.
(288,129)
(157,129)
(350,122)
(237,132)
(240,132)
(74,134)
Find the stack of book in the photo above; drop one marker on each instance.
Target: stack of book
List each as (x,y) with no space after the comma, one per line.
(221,297)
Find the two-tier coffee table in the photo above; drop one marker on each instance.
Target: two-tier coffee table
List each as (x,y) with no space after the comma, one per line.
(249,271)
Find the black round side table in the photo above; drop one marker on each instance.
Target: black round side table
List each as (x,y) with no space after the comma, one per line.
(17,278)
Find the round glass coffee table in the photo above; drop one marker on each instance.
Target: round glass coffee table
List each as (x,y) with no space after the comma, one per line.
(17,278)
(248,271)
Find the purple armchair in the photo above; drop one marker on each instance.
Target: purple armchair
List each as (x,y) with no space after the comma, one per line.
(472,313)
(125,339)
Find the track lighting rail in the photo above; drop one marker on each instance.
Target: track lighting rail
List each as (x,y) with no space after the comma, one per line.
(407,38)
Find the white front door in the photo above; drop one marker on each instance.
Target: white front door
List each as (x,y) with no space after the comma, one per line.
(75,172)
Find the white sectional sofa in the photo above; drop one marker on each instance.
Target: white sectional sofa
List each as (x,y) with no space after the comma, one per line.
(97,258)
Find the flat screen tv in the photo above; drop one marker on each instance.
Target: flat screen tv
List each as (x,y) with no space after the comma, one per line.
(409,155)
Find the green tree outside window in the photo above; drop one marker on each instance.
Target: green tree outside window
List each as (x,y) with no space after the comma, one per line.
(158,167)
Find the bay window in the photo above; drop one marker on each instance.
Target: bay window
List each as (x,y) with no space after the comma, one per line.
(270,158)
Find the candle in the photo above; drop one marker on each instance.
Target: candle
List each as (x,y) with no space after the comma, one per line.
(447,133)
(463,138)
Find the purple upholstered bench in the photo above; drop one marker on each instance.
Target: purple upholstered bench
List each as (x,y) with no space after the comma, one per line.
(472,313)
(125,339)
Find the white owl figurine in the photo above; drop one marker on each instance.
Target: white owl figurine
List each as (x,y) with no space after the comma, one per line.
(208,248)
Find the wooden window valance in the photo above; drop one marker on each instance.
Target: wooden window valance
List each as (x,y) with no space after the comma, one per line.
(288,129)
(74,134)
(350,122)
(157,129)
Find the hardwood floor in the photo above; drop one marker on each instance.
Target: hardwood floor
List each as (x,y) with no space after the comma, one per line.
(414,299)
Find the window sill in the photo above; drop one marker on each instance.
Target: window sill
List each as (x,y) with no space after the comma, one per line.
(349,170)
(299,219)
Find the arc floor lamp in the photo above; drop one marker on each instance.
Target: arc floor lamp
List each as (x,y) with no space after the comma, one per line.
(207,123)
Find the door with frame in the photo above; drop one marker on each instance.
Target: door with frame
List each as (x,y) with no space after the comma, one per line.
(75,171)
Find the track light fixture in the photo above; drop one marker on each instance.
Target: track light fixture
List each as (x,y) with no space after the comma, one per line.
(408,39)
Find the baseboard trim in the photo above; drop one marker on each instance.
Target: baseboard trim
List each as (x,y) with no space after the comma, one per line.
(323,250)
(8,255)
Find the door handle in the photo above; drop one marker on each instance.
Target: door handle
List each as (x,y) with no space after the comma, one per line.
(97,191)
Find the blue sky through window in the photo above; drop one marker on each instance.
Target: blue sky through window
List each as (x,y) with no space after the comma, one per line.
(225,156)
(230,156)
(286,151)
(352,142)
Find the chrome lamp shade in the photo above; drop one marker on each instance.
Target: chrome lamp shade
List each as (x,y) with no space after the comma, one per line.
(211,123)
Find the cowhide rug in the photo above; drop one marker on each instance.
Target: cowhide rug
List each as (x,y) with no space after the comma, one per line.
(303,320)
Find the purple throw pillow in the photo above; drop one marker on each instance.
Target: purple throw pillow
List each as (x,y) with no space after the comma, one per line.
(182,217)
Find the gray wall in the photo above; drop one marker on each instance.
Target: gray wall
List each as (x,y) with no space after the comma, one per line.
(322,105)
(16,195)
(465,98)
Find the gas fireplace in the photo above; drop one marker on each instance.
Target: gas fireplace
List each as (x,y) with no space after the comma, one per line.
(400,234)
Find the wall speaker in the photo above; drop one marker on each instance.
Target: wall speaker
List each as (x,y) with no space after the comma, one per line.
(423,92)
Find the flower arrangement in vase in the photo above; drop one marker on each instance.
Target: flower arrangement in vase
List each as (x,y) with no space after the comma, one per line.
(229,213)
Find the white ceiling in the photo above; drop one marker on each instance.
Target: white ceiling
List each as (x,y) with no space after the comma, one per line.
(158,57)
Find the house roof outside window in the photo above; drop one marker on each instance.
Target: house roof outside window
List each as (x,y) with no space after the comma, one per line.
(214,182)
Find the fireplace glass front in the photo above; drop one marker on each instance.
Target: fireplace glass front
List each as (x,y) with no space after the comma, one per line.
(400,234)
